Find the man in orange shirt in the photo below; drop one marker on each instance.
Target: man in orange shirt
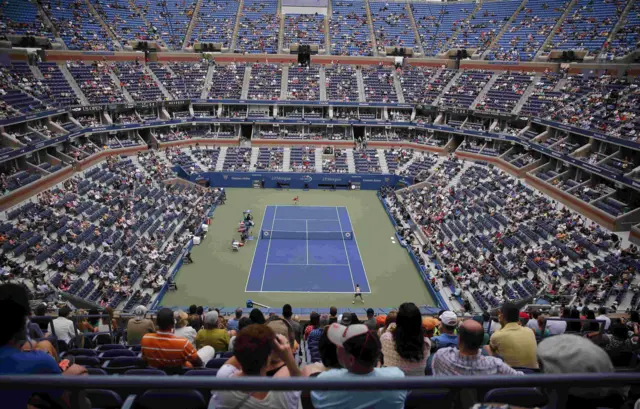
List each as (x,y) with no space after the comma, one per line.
(163,349)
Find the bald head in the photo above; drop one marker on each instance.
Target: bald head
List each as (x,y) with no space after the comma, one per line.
(470,336)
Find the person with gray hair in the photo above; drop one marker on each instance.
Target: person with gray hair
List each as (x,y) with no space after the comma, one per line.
(556,327)
(139,325)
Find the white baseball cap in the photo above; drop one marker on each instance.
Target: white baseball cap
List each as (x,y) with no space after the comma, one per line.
(339,334)
(449,318)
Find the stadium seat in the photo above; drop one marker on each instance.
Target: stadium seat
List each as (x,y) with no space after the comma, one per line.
(525,397)
(202,372)
(429,399)
(96,371)
(104,399)
(216,363)
(87,361)
(107,347)
(145,372)
(113,353)
(122,364)
(170,399)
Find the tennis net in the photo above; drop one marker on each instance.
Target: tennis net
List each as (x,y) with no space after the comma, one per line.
(307,235)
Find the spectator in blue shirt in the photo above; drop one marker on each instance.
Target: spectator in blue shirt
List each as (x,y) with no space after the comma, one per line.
(447,337)
(359,351)
(14,304)
(232,324)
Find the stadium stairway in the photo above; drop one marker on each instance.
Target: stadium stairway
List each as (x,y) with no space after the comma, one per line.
(105,26)
(504,29)
(255,151)
(446,89)
(361,93)
(36,72)
(245,82)
(527,94)
(398,85)
(74,85)
(284,84)
(161,86)
(192,23)
(116,81)
(286,160)
(372,35)
(556,28)
(323,84)
(409,163)
(319,160)
(416,32)
(351,163)
(221,157)
(486,89)
(234,37)
(383,162)
(207,82)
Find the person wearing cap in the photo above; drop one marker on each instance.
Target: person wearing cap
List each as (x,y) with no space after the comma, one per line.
(572,354)
(514,343)
(404,345)
(211,335)
(467,358)
(163,349)
(138,326)
(359,351)
(447,337)
(371,319)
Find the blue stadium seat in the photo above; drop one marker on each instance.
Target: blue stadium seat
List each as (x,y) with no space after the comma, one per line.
(170,399)
(525,397)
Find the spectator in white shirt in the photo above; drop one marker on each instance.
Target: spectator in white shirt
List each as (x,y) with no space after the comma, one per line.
(183,329)
(63,326)
(533,321)
(556,327)
(607,321)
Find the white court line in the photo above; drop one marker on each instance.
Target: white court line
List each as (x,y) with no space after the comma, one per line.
(353,232)
(313,220)
(256,248)
(307,292)
(345,251)
(305,231)
(307,240)
(328,265)
(266,261)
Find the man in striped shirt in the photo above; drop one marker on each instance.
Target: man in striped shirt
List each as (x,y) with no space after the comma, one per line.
(163,349)
(467,358)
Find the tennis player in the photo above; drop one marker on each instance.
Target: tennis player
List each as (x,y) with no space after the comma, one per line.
(295,200)
(357,294)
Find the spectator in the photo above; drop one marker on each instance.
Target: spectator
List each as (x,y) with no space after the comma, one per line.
(447,337)
(430,324)
(41,311)
(467,359)
(314,322)
(165,350)
(280,327)
(255,346)
(556,327)
(256,316)
(328,356)
(183,329)
(371,319)
(574,326)
(404,344)
(358,353)
(195,319)
(232,324)
(391,318)
(64,329)
(607,321)
(515,344)
(211,335)
(243,323)
(490,324)
(14,303)
(333,315)
(564,354)
(314,336)
(533,321)
(138,326)
(541,331)
(287,314)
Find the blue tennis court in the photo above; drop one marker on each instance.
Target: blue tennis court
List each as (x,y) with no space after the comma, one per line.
(306,249)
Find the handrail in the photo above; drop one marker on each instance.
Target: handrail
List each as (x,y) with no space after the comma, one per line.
(29,382)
